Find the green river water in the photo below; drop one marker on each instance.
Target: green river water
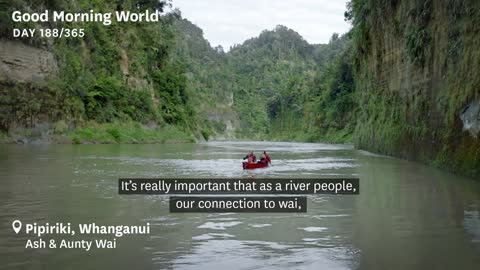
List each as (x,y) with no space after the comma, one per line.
(407,215)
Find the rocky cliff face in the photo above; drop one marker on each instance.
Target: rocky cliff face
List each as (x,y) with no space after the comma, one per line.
(24,73)
(20,63)
(224,115)
(418,76)
(471,118)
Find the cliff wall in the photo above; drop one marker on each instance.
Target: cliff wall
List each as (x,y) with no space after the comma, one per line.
(418,80)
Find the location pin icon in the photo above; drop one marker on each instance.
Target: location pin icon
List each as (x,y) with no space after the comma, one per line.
(17,226)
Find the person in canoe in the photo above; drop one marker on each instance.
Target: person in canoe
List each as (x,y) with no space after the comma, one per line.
(251,161)
(251,158)
(265,158)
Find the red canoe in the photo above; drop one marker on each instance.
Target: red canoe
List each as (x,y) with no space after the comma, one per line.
(251,166)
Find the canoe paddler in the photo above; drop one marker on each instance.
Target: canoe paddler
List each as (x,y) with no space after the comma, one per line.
(251,158)
(265,158)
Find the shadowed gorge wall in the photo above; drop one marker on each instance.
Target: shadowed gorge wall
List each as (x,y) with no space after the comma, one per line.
(417,66)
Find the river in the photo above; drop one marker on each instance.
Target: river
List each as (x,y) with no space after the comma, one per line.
(407,215)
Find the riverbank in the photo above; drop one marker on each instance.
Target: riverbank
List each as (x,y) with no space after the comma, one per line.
(331,136)
(91,132)
(95,133)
